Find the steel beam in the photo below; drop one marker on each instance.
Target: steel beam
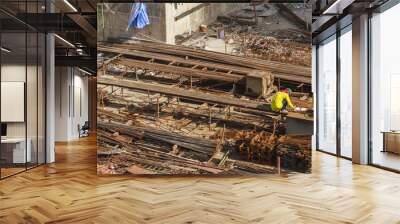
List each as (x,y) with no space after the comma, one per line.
(198,96)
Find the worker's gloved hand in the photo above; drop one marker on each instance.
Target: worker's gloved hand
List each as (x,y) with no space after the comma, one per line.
(303,109)
(297,109)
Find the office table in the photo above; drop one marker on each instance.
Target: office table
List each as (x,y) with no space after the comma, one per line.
(13,150)
(391,141)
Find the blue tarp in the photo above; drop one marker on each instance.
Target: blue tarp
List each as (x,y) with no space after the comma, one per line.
(138,17)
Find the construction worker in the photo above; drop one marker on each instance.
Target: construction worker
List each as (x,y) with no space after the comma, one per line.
(281,101)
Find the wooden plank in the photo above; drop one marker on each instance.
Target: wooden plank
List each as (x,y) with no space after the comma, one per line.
(173,91)
(178,70)
(239,69)
(254,63)
(175,59)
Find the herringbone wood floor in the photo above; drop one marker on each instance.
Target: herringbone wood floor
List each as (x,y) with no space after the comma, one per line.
(70,192)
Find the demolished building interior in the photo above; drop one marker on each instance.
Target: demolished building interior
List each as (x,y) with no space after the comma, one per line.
(189,109)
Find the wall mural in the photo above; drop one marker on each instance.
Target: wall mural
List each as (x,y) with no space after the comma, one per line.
(204,88)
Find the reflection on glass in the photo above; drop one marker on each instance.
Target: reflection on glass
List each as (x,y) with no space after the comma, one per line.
(31,98)
(327,96)
(346,93)
(22,92)
(41,99)
(385,84)
(14,153)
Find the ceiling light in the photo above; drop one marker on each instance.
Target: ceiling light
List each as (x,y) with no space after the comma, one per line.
(5,50)
(338,6)
(65,41)
(79,51)
(86,72)
(70,5)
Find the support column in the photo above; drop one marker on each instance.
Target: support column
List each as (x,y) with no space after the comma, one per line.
(92,86)
(50,99)
(360,90)
(314,91)
(169,23)
(64,104)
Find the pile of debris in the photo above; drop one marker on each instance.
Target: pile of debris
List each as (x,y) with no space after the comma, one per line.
(295,152)
(253,145)
(143,150)
(264,147)
(270,48)
(275,32)
(166,109)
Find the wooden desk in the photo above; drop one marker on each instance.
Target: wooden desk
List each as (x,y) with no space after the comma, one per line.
(13,150)
(391,141)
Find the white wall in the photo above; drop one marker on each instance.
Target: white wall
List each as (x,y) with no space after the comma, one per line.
(62,82)
(163,26)
(33,127)
(116,16)
(71,103)
(16,73)
(80,112)
(191,22)
(12,73)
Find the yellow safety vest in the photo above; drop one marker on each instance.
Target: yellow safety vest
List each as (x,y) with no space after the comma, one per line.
(277,101)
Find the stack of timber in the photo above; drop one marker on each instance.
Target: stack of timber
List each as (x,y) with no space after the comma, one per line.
(281,70)
(143,150)
(198,65)
(199,145)
(178,70)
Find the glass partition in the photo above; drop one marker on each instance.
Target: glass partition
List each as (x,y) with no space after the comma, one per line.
(41,97)
(346,92)
(31,100)
(13,94)
(22,88)
(385,89)
(327,95)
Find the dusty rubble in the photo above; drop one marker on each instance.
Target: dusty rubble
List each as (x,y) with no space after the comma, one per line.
(187,109)
(166,132)
(270,37)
